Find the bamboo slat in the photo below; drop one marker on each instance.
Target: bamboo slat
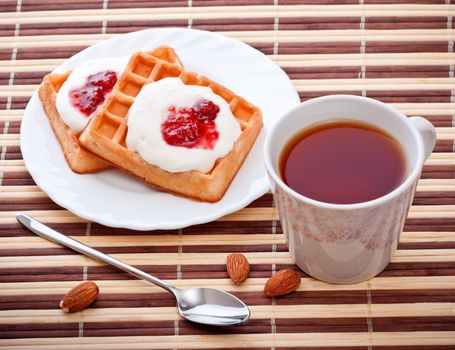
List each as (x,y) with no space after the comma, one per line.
(232,341)
(250,285)
(366,59)
(12,115)
(53,40)
(164,259)
(217,12)
(425,108)
(27,242)
(313,60)
(373,84)
(8,143)
(257,312)
(139,241)
(282,36)
(246,214)
(343,35)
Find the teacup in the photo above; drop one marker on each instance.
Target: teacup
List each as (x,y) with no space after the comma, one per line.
(346,243)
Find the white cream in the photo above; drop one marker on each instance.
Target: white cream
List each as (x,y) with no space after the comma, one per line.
(150,110)
(70,114)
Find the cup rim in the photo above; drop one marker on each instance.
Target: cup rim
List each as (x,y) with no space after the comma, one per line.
(409,181)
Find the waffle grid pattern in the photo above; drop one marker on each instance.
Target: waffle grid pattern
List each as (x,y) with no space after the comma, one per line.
(106,134)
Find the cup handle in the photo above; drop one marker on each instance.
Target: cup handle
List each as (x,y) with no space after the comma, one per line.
(427,133)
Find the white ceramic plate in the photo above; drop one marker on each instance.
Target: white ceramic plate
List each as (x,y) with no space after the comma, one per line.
(115,199)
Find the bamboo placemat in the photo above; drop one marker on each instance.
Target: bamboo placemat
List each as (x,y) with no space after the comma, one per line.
(398,51)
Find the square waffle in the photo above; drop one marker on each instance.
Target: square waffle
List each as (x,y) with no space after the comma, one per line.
(79,159)
(106,133)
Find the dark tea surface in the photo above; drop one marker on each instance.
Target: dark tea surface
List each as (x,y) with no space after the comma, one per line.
(343,162)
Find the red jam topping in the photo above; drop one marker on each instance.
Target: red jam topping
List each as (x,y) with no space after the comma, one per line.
(92,94)
(192,127)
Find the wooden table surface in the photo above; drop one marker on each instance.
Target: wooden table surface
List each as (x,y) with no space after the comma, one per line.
(400,52)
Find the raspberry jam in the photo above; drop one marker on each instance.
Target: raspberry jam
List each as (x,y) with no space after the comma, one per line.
(92,94)
(192,127)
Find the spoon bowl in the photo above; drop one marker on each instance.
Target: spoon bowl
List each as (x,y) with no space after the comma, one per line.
(211,306)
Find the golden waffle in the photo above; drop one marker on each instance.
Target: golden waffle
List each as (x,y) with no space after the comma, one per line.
(80,160)
(105,135)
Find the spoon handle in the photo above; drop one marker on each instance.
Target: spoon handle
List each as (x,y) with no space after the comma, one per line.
(46,232)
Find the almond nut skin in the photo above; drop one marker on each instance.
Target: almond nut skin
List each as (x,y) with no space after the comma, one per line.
(281,283)
(238,267)
(79,297)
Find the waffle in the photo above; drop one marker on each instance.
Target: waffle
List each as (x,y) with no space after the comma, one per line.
(106,133)
(79,159)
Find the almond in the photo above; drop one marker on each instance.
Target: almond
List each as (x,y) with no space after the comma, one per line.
(283,282)
(79,297)
(238,267)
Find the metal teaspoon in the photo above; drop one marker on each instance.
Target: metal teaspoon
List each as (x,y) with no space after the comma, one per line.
(201,305)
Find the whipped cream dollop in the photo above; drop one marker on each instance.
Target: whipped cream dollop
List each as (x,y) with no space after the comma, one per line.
(151,109)
(70,113)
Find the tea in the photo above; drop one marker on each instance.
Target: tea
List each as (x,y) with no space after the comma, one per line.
(343,162)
